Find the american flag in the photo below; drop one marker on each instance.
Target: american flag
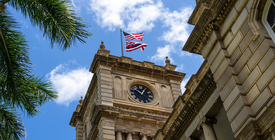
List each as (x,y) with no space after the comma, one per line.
(130,46)
(132,36)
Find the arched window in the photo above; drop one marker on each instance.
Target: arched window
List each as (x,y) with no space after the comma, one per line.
(268,18)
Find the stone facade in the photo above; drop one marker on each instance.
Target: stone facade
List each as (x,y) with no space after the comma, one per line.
(239,49)
(230,97)
(109,111)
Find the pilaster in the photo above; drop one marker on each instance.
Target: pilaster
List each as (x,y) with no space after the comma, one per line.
(79,130)
(103,73)
(104,85)
(106,130)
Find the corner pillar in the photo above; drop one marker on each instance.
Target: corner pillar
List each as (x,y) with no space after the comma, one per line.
(207,127)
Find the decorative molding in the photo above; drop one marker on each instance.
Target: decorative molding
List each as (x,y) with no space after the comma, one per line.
(138,67)
(207,121)
(208,21)
(264,19)
(252,19)
(190,109)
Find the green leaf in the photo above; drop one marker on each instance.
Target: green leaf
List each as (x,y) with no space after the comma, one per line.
(58,23)
(19,88)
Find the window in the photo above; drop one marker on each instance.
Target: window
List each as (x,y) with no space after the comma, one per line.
(268,18)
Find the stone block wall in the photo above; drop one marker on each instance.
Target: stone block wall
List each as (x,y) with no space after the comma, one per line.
(106,130)
(105,94)
(243,68)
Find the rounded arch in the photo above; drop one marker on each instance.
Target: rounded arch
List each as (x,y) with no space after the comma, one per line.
(268,18)
(255,16)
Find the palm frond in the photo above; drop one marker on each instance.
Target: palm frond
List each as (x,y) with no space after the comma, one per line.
(18,86)
(11,127)
(58,23)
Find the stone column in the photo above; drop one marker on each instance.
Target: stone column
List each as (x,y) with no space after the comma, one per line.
(207,127)
(143,136)
(129,136)
(208,131)
(118,135)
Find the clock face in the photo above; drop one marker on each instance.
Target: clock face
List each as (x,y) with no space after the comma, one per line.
(141,93)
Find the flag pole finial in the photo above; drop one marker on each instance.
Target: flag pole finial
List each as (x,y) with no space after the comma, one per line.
(102,46)
(81,100)
(167,61)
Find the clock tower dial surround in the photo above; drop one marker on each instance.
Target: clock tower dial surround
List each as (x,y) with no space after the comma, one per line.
(143,92)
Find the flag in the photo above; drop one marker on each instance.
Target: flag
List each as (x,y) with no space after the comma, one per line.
(131,45)
(132,36)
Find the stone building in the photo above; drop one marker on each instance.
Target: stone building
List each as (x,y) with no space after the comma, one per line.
(126,99)
(232,95)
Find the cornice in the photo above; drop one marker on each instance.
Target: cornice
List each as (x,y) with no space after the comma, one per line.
(201,5)
(74,117)
(125,114)
(131,66)
(190,109)
(209,20)
(130,113)
(160,111)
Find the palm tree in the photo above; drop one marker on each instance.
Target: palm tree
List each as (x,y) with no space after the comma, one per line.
(19,87)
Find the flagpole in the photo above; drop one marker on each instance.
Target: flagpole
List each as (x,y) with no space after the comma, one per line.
(121,41)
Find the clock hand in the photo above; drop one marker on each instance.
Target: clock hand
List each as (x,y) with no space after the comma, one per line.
(138,91)
(143,91)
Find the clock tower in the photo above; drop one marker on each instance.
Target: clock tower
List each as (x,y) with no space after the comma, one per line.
(126,99)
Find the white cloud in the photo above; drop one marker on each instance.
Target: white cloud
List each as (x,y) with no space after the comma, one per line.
(180,68)
(133,15)
(176,36)
(185,53)
(69,84)
(183,83)
(77,8)
(77,5)
(162,52)
(177,22)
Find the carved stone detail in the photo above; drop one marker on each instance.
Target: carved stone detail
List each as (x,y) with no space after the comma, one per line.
(118,87)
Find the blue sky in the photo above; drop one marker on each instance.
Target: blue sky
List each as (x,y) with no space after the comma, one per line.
(164,23)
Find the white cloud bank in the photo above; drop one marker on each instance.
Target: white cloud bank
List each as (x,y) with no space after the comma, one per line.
(176,36)
(133,15)
(69,84)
